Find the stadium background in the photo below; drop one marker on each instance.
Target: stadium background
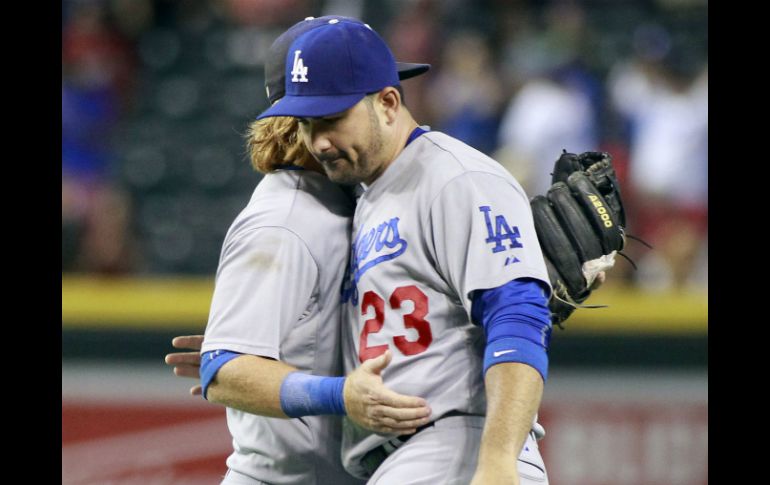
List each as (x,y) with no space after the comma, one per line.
(156,95)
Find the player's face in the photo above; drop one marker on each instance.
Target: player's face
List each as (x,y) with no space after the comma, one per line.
(348,145)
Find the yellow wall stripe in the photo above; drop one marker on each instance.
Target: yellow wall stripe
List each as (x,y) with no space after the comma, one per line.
(183,303)
(141,303)
(636,311)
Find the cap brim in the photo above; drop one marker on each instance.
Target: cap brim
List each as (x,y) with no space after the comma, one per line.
(311,106)
(408,70)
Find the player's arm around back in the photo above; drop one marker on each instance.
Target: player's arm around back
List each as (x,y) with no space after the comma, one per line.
(252,384)
(267,387)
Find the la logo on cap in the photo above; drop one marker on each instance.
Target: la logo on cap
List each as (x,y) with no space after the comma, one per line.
(298,71)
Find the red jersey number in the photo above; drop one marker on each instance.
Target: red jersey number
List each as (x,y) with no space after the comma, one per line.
(373,325)
(415,320)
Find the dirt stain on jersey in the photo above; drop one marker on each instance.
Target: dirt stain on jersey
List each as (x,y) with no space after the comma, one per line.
(264,261)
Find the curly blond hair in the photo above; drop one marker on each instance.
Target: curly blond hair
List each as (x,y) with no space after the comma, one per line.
(273,142)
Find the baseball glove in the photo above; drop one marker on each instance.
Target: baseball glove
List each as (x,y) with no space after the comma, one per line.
(580,224)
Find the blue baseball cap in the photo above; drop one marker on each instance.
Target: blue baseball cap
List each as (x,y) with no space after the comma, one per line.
(330,65)
(275,72)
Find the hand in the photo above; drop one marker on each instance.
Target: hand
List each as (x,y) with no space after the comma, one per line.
(187,364)
(601,277)
(373,406)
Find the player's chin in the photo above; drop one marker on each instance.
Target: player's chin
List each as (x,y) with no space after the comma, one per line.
(339,173)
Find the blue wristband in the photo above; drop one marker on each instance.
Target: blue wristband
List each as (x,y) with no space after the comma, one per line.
(307,395)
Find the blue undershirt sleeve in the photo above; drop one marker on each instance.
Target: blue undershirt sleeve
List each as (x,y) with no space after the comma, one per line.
(517,323)
(211,362)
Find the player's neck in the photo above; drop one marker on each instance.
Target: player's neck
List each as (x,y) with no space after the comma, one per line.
(404,127)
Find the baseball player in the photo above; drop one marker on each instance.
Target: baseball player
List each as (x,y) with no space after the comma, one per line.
(273,333)
(445,274)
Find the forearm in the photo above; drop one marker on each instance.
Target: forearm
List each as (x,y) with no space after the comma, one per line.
(513,391)
(251,384)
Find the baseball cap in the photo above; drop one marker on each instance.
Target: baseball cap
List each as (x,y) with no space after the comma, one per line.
(276,57)
(329,64)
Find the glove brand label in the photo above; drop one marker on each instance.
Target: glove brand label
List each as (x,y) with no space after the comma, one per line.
(601,210)
(500,232)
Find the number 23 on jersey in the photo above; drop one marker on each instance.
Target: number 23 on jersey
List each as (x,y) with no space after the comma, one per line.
(415,320)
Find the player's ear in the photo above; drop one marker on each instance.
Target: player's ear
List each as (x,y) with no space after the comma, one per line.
(390,101)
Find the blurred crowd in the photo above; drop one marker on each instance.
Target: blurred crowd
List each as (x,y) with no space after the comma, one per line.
(518,80)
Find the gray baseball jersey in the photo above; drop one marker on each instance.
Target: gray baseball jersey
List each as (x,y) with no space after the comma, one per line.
(442,221)
(277,295)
